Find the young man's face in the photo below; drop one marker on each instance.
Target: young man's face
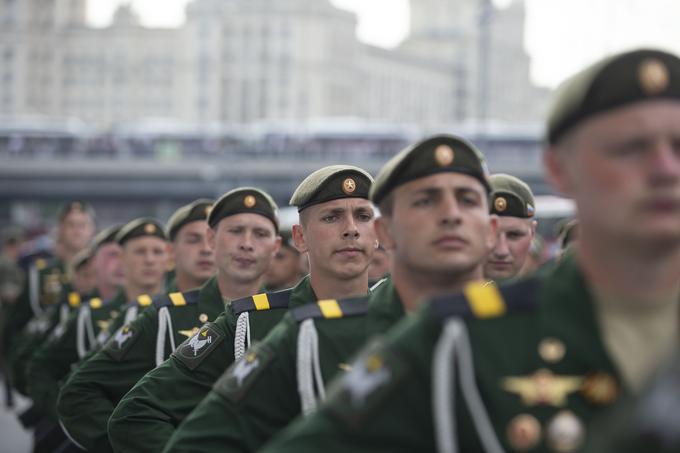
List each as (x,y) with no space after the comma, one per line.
(192,253)
(145,261)
(623,170)
(244,245)
(439,225)
(108,265)
(513,241)
(76,230)
(284,269)
(84,279)
(338,236)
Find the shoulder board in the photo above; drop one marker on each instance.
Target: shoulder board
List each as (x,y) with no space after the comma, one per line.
(262,301)
(95,303)
(73,299)
(177,299)
(331,308)
(144,300)
(487,300)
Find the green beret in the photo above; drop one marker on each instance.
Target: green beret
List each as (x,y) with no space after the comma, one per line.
(244,200)
(81,258)
(144,226)
(332,183)
(438,154)
(196,210)
(511,197)
(105,236)
(75,206)
(616,81)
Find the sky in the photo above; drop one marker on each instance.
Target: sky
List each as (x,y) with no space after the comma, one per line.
(561,36)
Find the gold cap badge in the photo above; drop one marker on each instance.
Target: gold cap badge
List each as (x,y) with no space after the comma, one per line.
(149,228)
(551,350)
(500,204)
(653,76)
(443,155)
(76,206)
(207,211)
(203,317)
(349,186)
(249,201)
(524,432)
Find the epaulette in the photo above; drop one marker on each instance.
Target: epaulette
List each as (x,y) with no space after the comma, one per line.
(262,301)
(487,300)
(331,309)
(73,299)
(177,299)
(95,303)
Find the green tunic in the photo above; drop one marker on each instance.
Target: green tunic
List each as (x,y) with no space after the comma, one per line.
(35,333)
(53,360)
(540,377)
(91,393)
(146,417)
(259,395)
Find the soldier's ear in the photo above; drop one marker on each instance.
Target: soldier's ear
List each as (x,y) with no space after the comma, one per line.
(210,236)
(382,227)
(555,164)
(492,233)
(299,239)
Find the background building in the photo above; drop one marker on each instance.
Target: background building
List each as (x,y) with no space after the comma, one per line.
(236,62)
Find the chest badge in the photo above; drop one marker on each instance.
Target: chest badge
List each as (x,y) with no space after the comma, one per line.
(543,387)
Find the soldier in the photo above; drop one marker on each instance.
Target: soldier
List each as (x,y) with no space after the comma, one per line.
(513,202)
(437,227)
(336,229)
(194,261)
(285,270)
(242,235)
(144,259)
(529,367)
(380,265)
(45,278)
(108,271)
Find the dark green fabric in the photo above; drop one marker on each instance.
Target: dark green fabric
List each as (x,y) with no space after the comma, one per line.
(242,418)
(144,226)
(194,211)
(53,360)
(511,197)
(397,415)
(88,398)
(146,417)
(33,335)
(613,82)
(437,154)
(244,200)
(331,183)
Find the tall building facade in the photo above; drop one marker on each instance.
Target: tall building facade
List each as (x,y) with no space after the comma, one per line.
(241,61)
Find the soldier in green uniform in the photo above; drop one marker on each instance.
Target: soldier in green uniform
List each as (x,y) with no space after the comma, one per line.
(532,366)
(513,202)
(92,392)
(45,278)
(144,259)
(433,197)
(108,279)
(192,258)
(336,229)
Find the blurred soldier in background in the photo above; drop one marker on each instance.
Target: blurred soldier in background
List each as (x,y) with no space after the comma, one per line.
(285,269)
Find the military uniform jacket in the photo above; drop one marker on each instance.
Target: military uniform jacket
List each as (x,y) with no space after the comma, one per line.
(53,360)
(42,288)
(36,331)
(264,391)
(146,417)
(88,398)
(531,376)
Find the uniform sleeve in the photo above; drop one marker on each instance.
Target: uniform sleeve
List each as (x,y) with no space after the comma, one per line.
(254,399)
(50,364)
(92,392)
(147,415)
(381,405)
